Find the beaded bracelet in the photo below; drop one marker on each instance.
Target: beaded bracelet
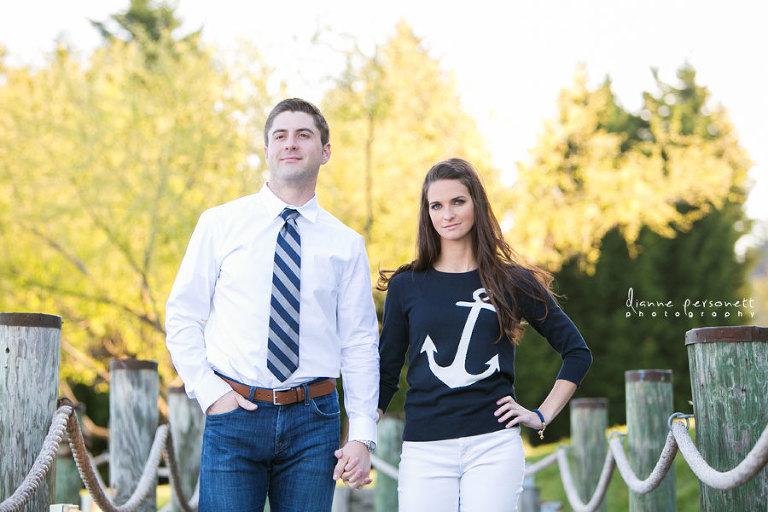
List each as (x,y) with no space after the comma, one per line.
(543,424)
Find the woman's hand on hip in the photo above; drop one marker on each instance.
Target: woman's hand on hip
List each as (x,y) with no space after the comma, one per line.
(515,414)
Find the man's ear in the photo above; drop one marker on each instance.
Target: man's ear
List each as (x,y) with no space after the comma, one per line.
(326,153)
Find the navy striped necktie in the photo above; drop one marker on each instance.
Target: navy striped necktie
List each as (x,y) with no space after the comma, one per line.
(283,344)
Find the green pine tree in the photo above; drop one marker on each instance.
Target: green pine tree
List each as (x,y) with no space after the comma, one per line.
(695,262)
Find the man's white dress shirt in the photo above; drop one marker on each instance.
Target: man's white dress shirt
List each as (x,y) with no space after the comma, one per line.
(217,316)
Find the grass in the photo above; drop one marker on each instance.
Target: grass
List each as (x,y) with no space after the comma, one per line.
(551,487)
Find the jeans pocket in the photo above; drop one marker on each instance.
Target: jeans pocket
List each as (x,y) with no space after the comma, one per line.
(224,414)
(325,407)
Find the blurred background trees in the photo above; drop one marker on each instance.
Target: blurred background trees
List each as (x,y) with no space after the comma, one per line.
(106,165)
(106,162)
(393,114)
(651,201)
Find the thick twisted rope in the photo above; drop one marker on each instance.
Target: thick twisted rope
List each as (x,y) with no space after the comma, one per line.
(178,493)
(666,459)
(385,467)
(541,464)
(752,464)
(678,438)
(42,464)
(570,489)
(192,504)
(92,480)
(64,420)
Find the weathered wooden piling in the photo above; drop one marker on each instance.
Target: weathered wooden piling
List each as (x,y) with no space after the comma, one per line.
(133,415)
(589,420)
(29,382)
(187,422)
(390,444)
(729,370)
(649,404)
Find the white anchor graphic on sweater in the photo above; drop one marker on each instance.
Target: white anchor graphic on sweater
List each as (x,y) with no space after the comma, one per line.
(455,374)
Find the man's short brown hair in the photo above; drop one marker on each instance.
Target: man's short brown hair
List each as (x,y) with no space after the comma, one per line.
(298,105)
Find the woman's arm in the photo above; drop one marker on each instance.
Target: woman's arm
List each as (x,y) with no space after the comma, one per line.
(511,411)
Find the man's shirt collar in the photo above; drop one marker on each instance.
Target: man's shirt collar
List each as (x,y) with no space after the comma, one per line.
(275,205)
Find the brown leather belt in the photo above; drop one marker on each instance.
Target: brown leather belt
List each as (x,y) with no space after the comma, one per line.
(283,396)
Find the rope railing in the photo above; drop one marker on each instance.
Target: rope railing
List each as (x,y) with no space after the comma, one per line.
(64,421)
(175,479)
(661,469)
(752,464)
(541,464)
(42,464)
(385,467)
(570,488)
(92,481)
(678,439)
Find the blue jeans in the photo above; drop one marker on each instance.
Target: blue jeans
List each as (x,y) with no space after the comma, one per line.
(281,451)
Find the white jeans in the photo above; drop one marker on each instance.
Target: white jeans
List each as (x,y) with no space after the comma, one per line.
(482,473)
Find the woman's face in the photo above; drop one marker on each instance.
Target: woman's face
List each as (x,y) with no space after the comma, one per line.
(451,209)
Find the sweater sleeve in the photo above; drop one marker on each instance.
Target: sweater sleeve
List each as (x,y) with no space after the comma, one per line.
(393,344)
(561,333)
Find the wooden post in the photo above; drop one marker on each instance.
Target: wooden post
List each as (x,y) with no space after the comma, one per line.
(30,344)
(133,416)
(729,369)
(649,405)
(589,420)
(390,443)
(187,422)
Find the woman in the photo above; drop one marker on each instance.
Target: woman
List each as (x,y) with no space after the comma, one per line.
(457,310)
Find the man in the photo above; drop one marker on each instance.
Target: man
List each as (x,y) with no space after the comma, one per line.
(272,300)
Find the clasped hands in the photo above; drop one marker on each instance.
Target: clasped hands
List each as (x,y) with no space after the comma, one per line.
(354,465)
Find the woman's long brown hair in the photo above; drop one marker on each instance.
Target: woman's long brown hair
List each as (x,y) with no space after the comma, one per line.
(502,272)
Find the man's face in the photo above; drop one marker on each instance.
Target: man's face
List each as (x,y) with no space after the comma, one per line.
(294,151)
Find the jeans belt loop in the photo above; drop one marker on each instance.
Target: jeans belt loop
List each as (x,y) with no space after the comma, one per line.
(305,387)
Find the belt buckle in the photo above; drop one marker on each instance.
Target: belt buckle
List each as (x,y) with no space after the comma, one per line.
(275,392)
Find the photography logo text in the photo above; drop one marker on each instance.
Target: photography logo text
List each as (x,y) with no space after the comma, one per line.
(690,307)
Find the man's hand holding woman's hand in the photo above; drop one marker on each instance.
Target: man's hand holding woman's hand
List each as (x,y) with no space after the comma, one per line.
(354,465)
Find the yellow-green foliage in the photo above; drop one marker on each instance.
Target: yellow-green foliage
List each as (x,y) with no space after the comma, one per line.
(583,180)
(104,168)
(393,115)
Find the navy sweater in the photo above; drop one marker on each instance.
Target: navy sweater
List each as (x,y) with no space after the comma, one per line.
(456,372)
